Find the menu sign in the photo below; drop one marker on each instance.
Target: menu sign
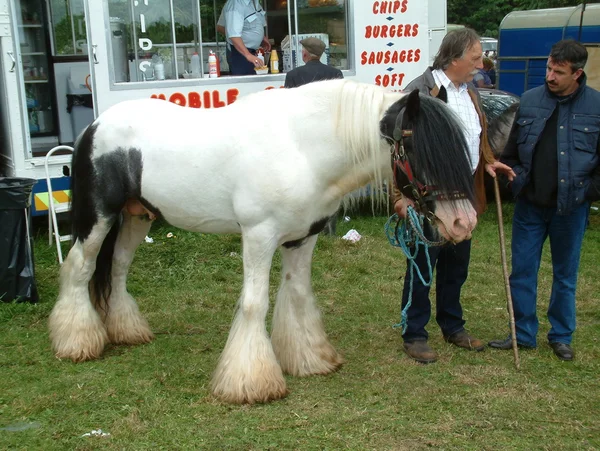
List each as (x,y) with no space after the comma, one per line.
(391,42)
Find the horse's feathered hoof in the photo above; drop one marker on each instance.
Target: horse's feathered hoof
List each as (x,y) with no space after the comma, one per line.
(78,346)
(235,387)
(250,396)
(124,323)
(77,335)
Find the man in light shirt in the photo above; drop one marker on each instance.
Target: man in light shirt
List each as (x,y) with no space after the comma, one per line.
(458,60)
(245,24)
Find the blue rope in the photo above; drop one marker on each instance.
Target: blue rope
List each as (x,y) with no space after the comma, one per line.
(407,233)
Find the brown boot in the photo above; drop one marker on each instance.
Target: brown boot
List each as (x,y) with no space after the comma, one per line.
(420,351)
(462,339)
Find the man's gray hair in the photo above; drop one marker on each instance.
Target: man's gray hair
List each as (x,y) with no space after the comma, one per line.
(454,46)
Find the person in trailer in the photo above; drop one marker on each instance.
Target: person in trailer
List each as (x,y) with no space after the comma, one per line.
(245,24)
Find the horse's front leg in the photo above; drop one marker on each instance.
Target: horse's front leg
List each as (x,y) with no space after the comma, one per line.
(248,371)
(298,336)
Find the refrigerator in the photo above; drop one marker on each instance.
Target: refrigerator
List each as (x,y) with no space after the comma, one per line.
(33,37)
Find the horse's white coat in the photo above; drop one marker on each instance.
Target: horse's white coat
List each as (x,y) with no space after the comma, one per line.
(226,171)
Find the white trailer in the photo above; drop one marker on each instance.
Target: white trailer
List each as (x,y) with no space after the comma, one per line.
(84,56)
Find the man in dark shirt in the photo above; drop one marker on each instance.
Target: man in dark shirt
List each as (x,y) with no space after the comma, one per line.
(313,69)
(555,152)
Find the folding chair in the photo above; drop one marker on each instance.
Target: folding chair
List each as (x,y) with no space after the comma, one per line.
(55,208)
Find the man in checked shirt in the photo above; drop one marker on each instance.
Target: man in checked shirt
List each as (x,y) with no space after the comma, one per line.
(458,60)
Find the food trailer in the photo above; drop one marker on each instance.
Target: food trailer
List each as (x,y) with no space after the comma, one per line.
(63,62)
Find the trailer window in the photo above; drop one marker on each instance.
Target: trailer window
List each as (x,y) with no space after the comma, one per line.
(152,40)
(68,24)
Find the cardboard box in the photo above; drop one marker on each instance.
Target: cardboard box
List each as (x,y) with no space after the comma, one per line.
(289,54)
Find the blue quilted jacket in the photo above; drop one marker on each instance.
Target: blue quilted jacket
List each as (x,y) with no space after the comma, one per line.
(576,141)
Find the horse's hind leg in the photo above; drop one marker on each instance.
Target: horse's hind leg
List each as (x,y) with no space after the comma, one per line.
(76,330)
(299,339)
(122,318)
(248,371)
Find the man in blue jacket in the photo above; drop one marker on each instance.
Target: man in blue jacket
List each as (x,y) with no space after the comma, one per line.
(554,150)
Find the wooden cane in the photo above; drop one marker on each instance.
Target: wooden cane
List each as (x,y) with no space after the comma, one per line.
(511,313)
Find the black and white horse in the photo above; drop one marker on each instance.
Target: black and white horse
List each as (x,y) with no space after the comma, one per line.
(218,171)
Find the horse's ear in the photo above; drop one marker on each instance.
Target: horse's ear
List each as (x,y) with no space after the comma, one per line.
(413,104)
(443,94)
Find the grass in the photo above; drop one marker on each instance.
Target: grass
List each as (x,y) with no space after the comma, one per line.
(156,396)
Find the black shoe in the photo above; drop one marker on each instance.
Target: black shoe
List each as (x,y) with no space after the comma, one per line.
(506,344)
(563,351)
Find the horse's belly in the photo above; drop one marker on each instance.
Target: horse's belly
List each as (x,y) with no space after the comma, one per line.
(200,223)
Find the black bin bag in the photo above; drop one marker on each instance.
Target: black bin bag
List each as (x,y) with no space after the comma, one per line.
(17,279)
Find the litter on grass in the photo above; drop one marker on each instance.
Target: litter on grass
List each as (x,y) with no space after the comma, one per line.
(352,236)
(96,433)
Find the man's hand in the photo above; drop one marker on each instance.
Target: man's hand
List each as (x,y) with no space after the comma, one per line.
(266,44)
(253,59)
(496,167)
(401,206)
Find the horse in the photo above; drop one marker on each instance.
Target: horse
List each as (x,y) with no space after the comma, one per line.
(217,171)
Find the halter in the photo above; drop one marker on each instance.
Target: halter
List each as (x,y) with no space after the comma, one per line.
(404,177)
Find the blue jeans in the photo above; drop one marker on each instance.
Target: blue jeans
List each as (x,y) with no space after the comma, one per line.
(531,226)
(451,264)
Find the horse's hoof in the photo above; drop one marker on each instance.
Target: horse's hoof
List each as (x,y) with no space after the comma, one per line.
(136,333)
(76,338)
(248,395)
(80,348)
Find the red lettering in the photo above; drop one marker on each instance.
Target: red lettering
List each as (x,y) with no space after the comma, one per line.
(217,102)
(232,95)
(194,100)
(178,99)
(390,7)
(390,57)
(206,99)
(389,80)
(391,31)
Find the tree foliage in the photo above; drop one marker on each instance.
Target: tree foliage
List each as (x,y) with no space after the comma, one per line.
(484,16)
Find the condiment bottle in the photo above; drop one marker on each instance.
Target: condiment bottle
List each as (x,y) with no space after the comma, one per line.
(274,62)
(212,65)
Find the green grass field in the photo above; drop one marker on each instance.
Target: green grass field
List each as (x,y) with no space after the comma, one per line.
(156,396)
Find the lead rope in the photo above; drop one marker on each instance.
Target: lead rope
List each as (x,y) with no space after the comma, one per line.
(407,233)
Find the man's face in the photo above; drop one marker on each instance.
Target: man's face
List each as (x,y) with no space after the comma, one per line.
(465,68)
(561,79)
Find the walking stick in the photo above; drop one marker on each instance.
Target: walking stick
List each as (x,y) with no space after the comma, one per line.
(511,313)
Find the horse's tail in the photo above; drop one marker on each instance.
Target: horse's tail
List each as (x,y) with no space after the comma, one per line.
(84,215)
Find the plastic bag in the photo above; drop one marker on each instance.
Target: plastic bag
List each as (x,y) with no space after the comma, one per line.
(17,277)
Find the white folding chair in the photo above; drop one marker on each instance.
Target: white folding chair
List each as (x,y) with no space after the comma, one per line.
(55,208)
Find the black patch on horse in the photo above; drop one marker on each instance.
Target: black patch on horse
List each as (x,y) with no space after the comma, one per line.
(315,227)
(83,211)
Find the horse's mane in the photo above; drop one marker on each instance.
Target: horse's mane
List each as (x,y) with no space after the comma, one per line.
(360,107)
(441,148)
(499,128)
